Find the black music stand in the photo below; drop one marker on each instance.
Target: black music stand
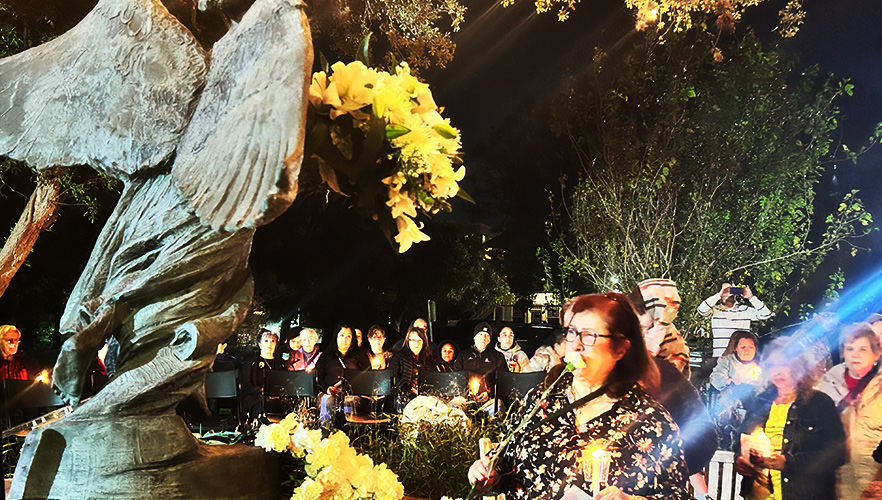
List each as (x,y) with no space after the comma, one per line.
(372,384)
(448,385)
(515,385)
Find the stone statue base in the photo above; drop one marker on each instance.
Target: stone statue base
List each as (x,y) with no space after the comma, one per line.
(138,457)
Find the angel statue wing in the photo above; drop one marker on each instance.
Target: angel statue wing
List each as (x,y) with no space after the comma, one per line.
(127,91)
(239,159)
(115,92)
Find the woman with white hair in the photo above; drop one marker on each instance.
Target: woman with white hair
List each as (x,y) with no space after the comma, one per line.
(856,387)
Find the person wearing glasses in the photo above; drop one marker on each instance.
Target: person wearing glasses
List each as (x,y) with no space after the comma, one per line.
(407,364)
(602,405)
(14,364)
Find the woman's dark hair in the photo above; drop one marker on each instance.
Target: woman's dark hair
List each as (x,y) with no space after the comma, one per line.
(375,330)
(736,337)
(437,351)
(425,357)
(332,342)
(635,366)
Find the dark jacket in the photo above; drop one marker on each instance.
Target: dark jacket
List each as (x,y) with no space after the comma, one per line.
(682,401)
(329,367)
(484,364)
(813,446)
(406,367)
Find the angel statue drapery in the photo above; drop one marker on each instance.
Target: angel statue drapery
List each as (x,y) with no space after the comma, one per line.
(208,146)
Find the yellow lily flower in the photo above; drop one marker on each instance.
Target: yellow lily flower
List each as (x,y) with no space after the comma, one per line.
(408,233)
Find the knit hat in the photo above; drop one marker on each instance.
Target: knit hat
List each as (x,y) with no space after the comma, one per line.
(483,327)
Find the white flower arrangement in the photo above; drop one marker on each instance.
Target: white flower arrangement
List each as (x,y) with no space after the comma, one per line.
(374,126)
(334,469)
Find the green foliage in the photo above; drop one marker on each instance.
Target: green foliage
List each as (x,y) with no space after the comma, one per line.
(432,461)
(699,171)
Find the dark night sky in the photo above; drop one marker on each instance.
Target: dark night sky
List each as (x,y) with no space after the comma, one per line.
(508,56)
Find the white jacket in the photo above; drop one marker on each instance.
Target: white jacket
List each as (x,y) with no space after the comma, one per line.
(863,426)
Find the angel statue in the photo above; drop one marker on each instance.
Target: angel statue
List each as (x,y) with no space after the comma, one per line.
(208,146)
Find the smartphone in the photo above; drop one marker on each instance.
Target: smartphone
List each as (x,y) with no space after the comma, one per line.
(736,290)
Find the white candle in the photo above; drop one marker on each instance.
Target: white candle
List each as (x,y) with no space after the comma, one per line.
(596,468)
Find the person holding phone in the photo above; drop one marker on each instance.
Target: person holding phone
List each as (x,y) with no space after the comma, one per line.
(729,315)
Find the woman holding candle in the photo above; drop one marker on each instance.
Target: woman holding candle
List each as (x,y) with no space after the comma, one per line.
(407,364)
(806,440)
(856,388)
(601,405)
(376,342)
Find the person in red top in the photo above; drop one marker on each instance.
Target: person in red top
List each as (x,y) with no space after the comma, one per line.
(13,364)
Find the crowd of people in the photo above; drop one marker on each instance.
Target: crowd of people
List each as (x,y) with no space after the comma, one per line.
(629,396)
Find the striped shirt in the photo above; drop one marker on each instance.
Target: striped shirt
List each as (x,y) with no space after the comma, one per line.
(727,320)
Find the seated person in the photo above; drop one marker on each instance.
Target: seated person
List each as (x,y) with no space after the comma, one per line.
(291,344)
(15,364)
(252,375)
(547,356)
(378,357)
(446,355)
(516,359)
(305,357)
(223,361)
(482,364)
(329,373)
(406,366)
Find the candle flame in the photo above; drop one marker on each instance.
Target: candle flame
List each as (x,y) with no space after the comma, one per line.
(375,363)
(43,377)
(474,385)
(598,453)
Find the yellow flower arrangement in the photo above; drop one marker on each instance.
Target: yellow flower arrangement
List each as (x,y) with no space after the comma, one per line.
(373,126)
(334,469)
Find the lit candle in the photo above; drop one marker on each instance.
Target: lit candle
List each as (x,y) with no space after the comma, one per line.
(43,377)
(597,457)
(376,363)
(762,444)
(474,386)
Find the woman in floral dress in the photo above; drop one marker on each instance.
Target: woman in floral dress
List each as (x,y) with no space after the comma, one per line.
(605,342)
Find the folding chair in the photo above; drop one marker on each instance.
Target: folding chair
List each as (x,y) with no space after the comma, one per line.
(220,386)
(515,385)
(447,385)
(289,386)
(372,384)
(26,399)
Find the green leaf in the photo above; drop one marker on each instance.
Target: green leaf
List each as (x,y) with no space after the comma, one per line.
(445,130)
(364,53)
(462,194)
(393,131)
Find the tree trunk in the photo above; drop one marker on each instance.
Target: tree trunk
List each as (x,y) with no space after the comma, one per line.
(39,213)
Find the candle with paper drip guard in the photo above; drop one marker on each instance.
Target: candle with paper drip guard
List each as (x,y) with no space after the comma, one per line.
(762,444)
(474,386)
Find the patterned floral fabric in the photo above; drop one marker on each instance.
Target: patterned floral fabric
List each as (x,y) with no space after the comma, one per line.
(645,447)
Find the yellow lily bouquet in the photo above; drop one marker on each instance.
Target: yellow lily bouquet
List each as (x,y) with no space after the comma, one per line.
(381,138)
(334,470)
